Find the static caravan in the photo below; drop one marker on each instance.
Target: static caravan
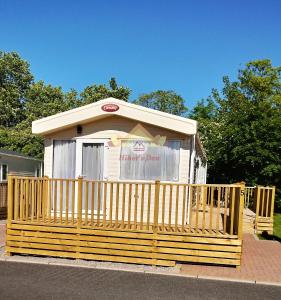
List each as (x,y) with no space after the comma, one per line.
(115,141)
(124,183)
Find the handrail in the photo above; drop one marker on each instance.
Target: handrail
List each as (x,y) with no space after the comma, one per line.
(154,207)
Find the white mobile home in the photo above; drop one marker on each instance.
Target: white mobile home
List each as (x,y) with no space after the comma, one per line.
(115,141)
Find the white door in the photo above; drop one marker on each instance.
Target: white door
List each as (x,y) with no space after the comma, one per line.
(91,161)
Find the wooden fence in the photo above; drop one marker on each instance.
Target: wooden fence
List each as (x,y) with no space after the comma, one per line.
(140,222)
(3,199)
(264,208)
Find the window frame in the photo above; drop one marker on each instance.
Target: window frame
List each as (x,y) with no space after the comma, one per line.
(1,170)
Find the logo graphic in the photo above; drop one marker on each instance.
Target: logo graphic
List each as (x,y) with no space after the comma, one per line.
(137,144)
(110,107)
(138,147)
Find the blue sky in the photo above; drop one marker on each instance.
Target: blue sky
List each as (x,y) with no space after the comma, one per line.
(185,46)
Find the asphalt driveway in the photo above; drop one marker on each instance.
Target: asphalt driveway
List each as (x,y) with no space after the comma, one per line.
(36,281)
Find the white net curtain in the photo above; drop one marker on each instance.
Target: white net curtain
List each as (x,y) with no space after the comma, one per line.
(155,162)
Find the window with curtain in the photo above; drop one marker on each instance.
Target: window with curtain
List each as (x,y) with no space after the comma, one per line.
(143,160)
(64,159)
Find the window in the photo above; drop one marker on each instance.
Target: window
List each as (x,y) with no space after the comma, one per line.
(143,160)
(4,172)
(64,159)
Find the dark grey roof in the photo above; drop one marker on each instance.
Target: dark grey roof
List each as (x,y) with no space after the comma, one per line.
(15,153)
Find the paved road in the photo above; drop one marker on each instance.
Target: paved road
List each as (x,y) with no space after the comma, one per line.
(33,281)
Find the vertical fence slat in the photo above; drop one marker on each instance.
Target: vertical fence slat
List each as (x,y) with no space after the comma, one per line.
(211,209)
(117,204)
(177,208)
(197,208)
(123,204)
(129,206)
(183,208)
(66,200)
(204,195)
(136,205)
(267,202)
(93,204)
(10,199)
(26,198)
(142,205)
(241,207)
(163,204)
(232,210)
(86,201)
(99,203)
(227,198)
(190,203)
(32,199)
(55,199)
(61,198)
(170,206)
(148,207)
(156,206)
(218,210)
(80,195)
(16,193)
(104,203)
(73,183)
(272,202)
(111,204)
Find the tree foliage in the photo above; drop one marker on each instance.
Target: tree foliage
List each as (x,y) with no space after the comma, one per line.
(166,101)
(15,79)
(241,127)
(96,92)
(22,101)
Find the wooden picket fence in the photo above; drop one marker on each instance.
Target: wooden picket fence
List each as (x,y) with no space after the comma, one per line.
(138,222)
(264,209)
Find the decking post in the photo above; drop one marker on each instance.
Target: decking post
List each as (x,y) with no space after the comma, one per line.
(241,208)
(10,200)
(272,203)
(155,222)
(156,206)
(257,207)
(10,207)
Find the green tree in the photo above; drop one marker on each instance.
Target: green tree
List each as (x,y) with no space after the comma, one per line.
(243,142)
(15,79)
(45,100)
(166,101)
(97,92)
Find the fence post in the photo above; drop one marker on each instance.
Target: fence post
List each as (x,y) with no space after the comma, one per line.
(257,207)
(156,206)
(155,222)
(241,208)
(272,202)
(10,199)
(80,192)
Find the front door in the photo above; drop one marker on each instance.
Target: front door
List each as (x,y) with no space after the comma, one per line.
(90,162)
(90,165)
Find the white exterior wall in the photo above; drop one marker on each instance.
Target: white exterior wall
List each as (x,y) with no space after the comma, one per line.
(121,127)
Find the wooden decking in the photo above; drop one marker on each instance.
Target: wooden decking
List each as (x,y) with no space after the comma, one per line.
(125,222)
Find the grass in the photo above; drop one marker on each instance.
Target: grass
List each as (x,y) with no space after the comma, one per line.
(276,230)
